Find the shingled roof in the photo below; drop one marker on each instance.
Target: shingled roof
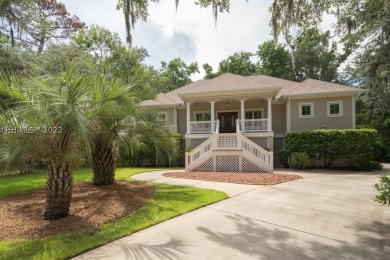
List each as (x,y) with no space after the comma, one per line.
(226,82)
(313,86)
(286,84)
(229,81)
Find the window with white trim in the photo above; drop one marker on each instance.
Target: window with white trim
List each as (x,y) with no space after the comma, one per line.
(202,116)
(335,108)
(306,110)
(254,114)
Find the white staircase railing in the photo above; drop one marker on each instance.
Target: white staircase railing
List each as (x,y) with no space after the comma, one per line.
(257,151)
(200,151)
(226,145)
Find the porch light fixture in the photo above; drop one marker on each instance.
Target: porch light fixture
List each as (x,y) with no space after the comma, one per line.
(227,105)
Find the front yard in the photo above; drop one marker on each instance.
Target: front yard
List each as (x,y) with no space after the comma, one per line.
(167,202)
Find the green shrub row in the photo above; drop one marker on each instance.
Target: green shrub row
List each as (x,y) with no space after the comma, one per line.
(359,147)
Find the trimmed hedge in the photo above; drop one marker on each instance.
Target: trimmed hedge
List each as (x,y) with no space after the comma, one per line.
(359,147)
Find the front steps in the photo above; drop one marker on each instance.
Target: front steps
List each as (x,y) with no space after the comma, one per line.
(229,153)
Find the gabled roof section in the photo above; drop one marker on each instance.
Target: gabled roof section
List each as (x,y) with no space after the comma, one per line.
(188,86)
(163,99)
(315,87)
(228,82)
(170,98)
(287,85)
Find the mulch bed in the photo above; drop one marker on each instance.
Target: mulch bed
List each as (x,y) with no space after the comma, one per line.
(21,215)
(233,177)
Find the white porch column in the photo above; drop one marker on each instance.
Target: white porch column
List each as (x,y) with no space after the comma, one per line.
(269,114)
(242,115)
(188,118)
(175,118)
(212,117)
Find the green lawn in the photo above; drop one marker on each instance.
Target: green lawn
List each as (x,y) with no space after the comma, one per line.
(17,183)
(168,202)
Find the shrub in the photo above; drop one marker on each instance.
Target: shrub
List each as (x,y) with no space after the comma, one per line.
(300,161)
(283,158)
(359,147)
(383,187)
(189,149)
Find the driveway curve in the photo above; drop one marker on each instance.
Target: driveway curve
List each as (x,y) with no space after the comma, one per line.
(322,216)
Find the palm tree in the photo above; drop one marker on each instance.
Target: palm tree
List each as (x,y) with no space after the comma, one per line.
(114,103)
(148,137)
(56,105)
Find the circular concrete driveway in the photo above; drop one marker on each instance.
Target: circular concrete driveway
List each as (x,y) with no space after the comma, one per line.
(321,216)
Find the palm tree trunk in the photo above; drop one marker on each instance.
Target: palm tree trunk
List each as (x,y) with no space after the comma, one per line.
(59,185)
(103,160)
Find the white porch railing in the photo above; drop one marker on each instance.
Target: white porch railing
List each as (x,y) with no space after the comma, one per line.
(256,125)
(251,125)
(200,127)
(203,127)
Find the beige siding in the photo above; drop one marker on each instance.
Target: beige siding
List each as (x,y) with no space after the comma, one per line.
(279,118)
(321,118)
(169,112)
(196,142)
(182,121)
(261,141)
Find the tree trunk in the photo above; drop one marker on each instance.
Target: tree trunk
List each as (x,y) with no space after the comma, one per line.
(127,10)
(103,160)
(41,45)
(59,185)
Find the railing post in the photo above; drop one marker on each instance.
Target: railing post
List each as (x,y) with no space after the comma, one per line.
(186,159)
(215,140)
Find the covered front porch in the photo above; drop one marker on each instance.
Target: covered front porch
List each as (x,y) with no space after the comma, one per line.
(229,115)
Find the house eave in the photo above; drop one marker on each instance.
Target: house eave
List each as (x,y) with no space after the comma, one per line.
(323,94)
(178,105)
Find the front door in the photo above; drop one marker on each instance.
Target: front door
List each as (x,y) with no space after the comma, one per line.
(227,122)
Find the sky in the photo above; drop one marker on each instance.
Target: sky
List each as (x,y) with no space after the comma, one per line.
(189,33)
